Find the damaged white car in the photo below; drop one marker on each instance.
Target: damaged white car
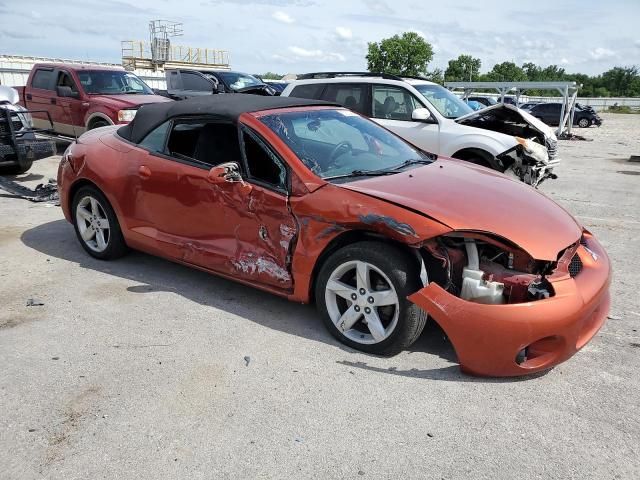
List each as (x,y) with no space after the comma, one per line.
(501,137)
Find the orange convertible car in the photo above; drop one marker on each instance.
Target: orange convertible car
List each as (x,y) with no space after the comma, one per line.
(316,203)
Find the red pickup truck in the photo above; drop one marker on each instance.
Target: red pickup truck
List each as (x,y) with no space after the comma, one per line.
(82,97)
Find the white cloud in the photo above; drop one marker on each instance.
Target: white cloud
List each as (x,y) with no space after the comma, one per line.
(601,53)
(317,55)
(344,33)
(378,6)
(283,17)
(564,61)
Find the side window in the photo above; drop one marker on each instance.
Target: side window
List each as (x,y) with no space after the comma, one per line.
(193,81)
(42,79)
(65,80)
(155,140)
(173,80)
(349,95)
(393,103)
(205,143)
(263,165)
(311,91)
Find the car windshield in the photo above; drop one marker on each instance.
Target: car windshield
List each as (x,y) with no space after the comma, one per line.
(237,80)
(341,144)
(448,104)
(106,82)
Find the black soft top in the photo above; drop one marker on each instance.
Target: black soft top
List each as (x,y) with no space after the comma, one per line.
(223,107)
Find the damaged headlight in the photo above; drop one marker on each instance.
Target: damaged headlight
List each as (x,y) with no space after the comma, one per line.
(534,150)
(483,269)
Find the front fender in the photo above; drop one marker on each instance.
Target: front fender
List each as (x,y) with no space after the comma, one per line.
(491,142)
(331,211)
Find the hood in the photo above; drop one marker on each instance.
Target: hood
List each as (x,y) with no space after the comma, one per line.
(507,114)
(464,196)
(119,102)
(9,95)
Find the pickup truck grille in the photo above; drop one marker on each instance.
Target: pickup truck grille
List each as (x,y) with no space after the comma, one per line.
(552,148)
(4,128)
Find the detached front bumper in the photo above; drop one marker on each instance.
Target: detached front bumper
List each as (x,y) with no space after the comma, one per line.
(490,339)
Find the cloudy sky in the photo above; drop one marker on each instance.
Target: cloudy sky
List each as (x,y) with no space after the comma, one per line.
(310,35)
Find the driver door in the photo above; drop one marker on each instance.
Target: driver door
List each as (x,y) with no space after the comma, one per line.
(392,108)
(262,228)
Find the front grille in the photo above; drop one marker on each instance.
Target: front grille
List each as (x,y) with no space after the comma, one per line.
(552,148)
(575,266)
(4,128)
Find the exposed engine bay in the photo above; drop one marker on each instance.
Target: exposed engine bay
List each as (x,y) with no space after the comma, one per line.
(533,159)
(485,270)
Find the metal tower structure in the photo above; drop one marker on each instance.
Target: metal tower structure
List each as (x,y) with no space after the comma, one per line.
(159,33)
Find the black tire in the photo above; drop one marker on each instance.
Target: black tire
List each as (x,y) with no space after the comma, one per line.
(98,124)
(116,246)
(16,169)
(402,270)
(584,123)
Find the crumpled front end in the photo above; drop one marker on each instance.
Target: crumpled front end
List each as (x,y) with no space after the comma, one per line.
(527,323)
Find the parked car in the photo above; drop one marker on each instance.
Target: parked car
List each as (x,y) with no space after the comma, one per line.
(19,143)
(431,117)
(475,105)
(313,202)
(486,101)
(529,105)
(82,97)
(278,85)
(185,83)
(509,100)
(549,113)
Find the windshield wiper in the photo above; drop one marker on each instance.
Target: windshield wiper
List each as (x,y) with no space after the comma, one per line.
(362,173)
(410,162)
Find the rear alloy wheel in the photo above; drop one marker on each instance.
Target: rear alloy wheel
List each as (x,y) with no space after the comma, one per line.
(96,225)
(362,295)
(584,123)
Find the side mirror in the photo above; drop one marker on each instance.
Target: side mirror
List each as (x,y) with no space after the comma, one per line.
(66,92)
(422,115)
(225,173)
(218,87)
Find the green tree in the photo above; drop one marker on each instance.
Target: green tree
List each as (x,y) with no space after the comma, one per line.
(436,75)
(619,80)
(506,72)
(408,54)
(463,68)
(271,76)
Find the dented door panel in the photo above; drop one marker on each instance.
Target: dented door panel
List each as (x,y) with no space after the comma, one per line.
(264,237)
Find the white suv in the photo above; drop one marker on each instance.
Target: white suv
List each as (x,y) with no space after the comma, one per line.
(429,116)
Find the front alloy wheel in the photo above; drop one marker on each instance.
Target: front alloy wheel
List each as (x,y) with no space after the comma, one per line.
(362,302)
(362,291)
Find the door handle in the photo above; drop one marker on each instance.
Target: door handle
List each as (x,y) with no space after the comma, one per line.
(144,171)
(53,101)
(29,97)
